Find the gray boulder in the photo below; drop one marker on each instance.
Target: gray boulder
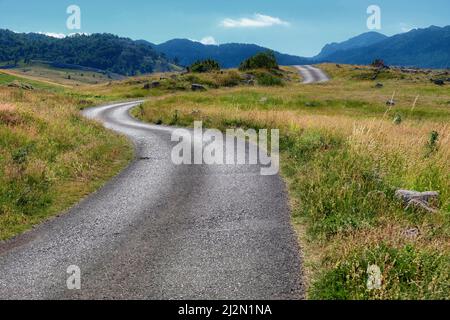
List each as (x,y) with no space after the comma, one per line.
(438,82)
(198,87)
(426,201)
(390,102)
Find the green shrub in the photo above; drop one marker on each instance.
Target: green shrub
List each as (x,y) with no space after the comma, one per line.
(204,66)
(267,79)
(263,60)
(230,79)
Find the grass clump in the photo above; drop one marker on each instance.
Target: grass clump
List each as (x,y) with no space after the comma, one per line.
(406,273)
(268,79)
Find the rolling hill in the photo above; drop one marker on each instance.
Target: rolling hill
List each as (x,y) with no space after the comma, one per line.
(185,52)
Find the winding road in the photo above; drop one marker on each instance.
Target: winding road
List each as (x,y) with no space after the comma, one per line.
(312,74)
(161,231)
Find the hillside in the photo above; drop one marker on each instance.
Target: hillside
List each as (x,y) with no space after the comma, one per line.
(363,40)
(185,52)
(424,48)
(98,51)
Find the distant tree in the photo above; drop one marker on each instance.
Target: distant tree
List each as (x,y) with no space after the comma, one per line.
(204,66)
(378,63)
(262,60)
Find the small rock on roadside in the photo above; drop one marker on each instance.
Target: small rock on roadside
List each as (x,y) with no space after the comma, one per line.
(390,102)
(379,85)
(198,87)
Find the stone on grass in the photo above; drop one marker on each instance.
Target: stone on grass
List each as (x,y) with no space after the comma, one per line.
(426,201)
(198,87)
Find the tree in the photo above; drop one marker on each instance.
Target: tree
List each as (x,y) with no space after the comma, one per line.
(378,63)
(262,60)
(204,66)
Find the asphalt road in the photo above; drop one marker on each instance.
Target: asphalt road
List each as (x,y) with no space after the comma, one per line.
(312,74)
(161,231)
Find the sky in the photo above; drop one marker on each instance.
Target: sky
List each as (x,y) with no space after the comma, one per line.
(300,27)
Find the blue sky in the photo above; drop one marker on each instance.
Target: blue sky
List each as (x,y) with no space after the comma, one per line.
(300,27)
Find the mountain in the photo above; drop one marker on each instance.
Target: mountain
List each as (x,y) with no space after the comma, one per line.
(422,48)
(99,51)
(363,40)
(185,52)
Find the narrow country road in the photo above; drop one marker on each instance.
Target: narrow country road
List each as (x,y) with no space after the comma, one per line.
(312,74)
(161,231)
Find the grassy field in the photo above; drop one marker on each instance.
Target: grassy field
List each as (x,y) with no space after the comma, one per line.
(50,156)
(344,154)
(59,76)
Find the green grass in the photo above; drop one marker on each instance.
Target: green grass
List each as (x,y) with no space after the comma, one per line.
(50,156)
(407,273)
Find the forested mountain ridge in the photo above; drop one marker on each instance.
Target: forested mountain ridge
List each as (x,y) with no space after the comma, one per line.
(100,51)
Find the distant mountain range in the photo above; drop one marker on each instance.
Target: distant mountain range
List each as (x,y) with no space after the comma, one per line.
(423,48)
(185,52)
(361,41)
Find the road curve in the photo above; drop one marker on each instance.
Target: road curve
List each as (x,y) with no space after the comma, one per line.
(160,231)
(312,74)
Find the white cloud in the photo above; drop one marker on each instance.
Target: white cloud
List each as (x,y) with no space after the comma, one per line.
(405,27)
(209,41)
(53,34)
(256,21)
(62,35)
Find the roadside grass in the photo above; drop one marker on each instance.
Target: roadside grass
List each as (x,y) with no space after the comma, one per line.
(50,156)
(343,157)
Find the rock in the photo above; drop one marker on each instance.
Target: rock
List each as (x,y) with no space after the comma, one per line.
(420,205)
(17,84)
(379,85)
(198,87)
(263,100)
(448,79)
(438,82)
(248,77)
(154,84)
(412,233)
(338,66)
(419,200)
(390,102)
